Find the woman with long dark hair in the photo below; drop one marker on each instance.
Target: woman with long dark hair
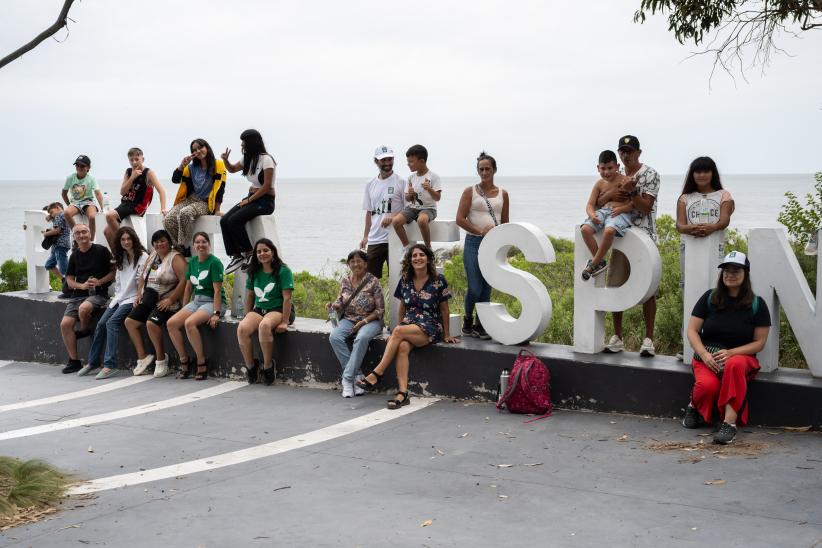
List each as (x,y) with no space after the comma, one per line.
(704,205)
(129,260)
(268,305)
(424,319)
(258,167)
(482,207)
(201,177)
(728,326)
(204,302)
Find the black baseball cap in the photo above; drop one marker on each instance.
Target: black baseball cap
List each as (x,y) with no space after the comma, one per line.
(83,159)
(628,141)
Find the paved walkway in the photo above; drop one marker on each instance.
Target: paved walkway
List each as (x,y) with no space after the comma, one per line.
(183,463)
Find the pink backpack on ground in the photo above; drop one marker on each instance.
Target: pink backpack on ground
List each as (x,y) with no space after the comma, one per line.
(528,387)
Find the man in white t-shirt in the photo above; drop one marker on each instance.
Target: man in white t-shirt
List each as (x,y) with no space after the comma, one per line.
(643,198)
(423,192)
(382,200)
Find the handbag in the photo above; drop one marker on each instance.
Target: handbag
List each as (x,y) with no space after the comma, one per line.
(48,241)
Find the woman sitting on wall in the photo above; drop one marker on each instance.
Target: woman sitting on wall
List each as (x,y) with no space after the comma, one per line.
(258,166)
(202,183)
(268,304)
(204,288)
(424,319)
(158,297)
(359,307)
(129,260)
(728,326)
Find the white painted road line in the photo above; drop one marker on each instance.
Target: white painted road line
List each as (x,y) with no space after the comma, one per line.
(4,363)
(221,388)
(252,453)
(99,389)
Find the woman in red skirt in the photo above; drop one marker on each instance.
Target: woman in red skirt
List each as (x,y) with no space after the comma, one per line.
(728,326)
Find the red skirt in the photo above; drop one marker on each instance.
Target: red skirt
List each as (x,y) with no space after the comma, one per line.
(714,391)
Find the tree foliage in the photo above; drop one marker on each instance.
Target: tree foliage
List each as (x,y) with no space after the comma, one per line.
(736,26)
(801,220)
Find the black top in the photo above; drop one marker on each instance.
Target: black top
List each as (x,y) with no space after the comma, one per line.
(137,193)
(94,262)
(732,326)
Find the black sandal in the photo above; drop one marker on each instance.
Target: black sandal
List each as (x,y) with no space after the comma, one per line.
(185,370)
(202,371)
(367,386)
(396,404)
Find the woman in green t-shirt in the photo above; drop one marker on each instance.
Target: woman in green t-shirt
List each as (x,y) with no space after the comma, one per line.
(204,288)
(268,302)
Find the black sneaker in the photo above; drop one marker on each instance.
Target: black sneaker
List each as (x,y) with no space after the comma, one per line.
(726,434)
(251,373)
(468,326)
(268,374)
(73,366)
(246,263)
(479,332)
(235,263)
(599,268)
(692,418)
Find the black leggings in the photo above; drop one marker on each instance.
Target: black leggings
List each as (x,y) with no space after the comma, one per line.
(233,223)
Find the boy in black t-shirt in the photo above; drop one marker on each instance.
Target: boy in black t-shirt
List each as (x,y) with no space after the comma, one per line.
(89,275)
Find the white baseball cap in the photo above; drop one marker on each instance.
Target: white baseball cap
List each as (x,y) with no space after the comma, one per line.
(383,152)
(736,258)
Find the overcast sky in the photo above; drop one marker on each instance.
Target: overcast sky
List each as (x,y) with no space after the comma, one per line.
(542,85)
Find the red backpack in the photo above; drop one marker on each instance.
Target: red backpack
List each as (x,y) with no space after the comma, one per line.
(528,387)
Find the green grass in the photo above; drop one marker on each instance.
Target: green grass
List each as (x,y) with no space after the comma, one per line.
(29,483)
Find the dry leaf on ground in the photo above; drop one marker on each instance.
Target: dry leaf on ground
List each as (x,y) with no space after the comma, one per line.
(797,428)
(715,482)
(426,523)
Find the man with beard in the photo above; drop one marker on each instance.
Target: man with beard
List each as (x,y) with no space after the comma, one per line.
(383,198)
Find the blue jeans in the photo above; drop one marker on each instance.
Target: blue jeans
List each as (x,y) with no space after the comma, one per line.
(479,291)
(352,360)
(58,256)
(108,332)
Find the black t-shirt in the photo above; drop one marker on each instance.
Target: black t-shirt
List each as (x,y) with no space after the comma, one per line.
(94,262)
(732,326)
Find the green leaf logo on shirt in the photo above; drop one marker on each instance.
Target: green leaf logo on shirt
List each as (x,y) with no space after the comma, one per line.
(196,281)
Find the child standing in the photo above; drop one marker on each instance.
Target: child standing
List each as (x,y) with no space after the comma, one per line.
(612,219)
(79,193)
(57,263)
(423,193)
(137,191)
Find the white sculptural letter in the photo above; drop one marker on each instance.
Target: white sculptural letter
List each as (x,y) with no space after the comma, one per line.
(536,303)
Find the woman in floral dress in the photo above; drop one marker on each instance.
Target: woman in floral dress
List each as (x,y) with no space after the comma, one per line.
(424,314)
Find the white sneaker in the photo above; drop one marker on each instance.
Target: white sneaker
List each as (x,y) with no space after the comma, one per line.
(647,348)
(680,356)
(348,389)
(357,390)
(161,368)
(86,369)
(614,345)
(143,364)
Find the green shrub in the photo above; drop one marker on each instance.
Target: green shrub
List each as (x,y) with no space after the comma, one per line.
(13,276)
(801,220)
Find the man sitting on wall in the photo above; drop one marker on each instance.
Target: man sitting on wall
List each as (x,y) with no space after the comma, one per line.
(89,274)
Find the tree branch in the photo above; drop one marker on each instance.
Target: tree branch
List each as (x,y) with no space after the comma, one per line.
(60,23)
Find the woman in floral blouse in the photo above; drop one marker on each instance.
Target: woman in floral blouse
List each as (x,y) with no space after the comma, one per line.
(360,317)
(424,314)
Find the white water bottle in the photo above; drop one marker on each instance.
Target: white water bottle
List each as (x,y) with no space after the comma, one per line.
(106,205)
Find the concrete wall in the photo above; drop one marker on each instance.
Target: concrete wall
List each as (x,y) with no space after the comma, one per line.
(622,382)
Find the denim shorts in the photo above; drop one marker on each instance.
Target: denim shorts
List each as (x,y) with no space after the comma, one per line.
(201,302)
(58,256)
(620,223)
(412,214)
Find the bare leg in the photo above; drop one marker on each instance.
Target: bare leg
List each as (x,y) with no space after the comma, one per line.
(649,313)
(425,230)
(133,328)
(69,339)
(266,336)
(193,324)
(248,326)
(175,333)
(91,213)
(410,333)
(84,312)
(617,317)
(730,414)
(588,238)
(155,335)
(608,236)
(402,365)
(399,227)
(112,225)
(69,214)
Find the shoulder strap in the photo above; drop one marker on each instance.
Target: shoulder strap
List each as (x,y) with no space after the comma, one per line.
(354,294)
(487,204)
(755,304)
